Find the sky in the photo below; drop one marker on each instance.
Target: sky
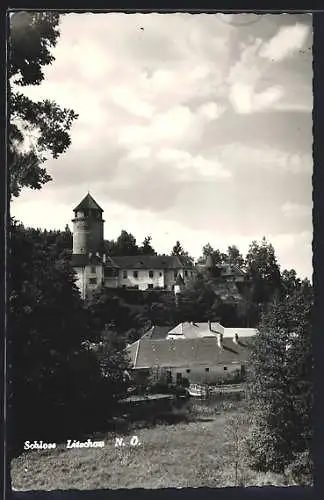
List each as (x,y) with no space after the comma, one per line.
(195,128)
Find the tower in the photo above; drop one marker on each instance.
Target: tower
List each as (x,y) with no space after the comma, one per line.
(88,245)
(88,227)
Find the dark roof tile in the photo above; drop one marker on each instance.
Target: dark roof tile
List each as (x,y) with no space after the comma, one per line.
(88,203)
(188,352)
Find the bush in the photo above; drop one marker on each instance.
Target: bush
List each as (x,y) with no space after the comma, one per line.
(300,470)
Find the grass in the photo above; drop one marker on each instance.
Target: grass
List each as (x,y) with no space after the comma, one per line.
(194,453)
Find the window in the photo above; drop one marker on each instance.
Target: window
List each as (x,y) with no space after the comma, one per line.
(188,371)
(151,274)
(93,281)
(150,286)
(225,368)
(175,274)
(135,274)
(124,275)
(186,274)
(160,273)
(136,287)
(172,287)
(93,270)
(206,369)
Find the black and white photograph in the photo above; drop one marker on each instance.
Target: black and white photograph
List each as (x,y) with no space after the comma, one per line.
(161,280)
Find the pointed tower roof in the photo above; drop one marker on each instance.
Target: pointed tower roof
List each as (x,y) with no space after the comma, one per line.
(179,280)
(88,203)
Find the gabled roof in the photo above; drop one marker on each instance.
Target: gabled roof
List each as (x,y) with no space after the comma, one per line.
(88,203)
(179,281)
(148,262)
(187,352)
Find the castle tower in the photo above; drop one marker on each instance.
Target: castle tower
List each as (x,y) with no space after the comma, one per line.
(88,226)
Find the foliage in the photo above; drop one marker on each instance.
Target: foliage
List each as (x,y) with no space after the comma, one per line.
(104,307)
(37,130)
(51,373)
(281,386)
(125,244)
(113,362)
(234,257)
(217,256)
(263,270)
(146,248)
(184,256)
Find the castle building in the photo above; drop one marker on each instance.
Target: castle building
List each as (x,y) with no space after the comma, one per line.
(95,268)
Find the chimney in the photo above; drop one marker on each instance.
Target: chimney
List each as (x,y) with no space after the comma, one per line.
(220,340)
(209,326)
(235,339)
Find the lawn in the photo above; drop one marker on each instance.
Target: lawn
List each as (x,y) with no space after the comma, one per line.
(187,454)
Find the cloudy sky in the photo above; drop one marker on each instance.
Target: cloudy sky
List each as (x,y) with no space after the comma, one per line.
(191,127)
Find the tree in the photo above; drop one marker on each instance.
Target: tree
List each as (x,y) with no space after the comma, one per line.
(184,256)
(235,257)
(37,130)
(262,268)
(217,256)
(281,387)
(125,244)
(146,248)
(51,373)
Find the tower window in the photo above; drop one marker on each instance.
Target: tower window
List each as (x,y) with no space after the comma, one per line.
(151,274)
(135,274)
(93,270)
(93,281)
(124,275)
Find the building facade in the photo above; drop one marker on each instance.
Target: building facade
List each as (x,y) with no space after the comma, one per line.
(205,359)
(95,268)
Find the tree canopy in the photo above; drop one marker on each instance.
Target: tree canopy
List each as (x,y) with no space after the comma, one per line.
(281,388)
(37,130)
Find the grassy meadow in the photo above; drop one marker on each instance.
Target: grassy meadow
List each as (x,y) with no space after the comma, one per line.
(202,450)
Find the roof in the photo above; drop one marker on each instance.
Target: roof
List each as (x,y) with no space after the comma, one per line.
(182,353)
(224,268)
(157,332)
(179,280)
(81,260)
(148,262)
(88,203)
(201,330)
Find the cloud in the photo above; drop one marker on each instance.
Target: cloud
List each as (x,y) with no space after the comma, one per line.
(185,162)
(285,43)
(290,209)
(187,127)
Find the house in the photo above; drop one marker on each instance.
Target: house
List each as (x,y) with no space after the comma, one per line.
(94,268)
(202,359)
